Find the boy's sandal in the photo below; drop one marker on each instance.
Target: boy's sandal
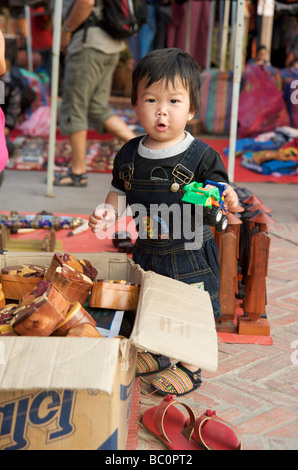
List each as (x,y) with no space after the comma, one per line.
(149,363)
(213,433)
(78,181)
(167,423)
(178,380)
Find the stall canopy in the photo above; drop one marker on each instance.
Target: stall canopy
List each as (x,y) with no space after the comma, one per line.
(238,29)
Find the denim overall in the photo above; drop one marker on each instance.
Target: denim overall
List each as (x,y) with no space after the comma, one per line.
(158,248)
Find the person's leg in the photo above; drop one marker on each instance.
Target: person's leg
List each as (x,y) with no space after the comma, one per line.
(101,116)
(78,142)
(77,90)
(118,128)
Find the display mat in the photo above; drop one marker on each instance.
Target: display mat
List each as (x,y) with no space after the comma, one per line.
(32,155)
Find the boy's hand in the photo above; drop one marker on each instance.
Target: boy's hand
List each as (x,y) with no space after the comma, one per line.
(231,198)
(102,218)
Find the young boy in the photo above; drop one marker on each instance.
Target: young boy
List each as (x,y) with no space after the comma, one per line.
(152,170)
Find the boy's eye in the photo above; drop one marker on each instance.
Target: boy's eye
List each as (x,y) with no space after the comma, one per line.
(151,100)
(174,101)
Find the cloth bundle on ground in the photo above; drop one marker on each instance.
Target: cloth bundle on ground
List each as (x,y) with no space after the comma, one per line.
(261,104)
(272,152)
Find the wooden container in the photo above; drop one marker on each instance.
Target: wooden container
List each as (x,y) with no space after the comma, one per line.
(117,295)
(37,319)
(74,286)
(81,266)
(43,315)
(15,287)
(76,316)
(20,280)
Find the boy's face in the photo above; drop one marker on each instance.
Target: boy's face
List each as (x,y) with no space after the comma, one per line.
(163,111)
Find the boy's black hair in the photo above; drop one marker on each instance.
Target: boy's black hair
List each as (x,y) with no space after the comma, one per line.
(168,64)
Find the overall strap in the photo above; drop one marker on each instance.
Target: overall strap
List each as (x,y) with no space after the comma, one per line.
(184,171)
(128,154)
(130,150)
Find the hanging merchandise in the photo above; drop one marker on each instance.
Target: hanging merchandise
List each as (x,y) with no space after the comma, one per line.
(261,105)
(216,101)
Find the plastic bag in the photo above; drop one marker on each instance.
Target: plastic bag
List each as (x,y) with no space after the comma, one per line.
(261,105)
(38,124)
(3,147)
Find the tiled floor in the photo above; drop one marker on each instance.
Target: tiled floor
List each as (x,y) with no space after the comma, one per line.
(255,387)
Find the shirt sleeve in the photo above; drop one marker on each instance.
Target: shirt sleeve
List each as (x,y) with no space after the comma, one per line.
(211,167)
(117,183)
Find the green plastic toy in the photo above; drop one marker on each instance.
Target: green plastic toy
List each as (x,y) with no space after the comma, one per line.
(211,198)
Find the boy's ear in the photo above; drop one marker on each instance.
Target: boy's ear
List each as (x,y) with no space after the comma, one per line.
(191,116)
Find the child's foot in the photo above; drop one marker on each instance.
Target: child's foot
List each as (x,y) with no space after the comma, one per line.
(149,363)
(178,380)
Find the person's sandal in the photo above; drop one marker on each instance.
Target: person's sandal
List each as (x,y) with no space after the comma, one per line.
(149,363)
(167,423)
(77,181)
(178,380)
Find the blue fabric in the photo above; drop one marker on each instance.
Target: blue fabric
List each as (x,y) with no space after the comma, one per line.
(278,166)
(148,31)
(250,143)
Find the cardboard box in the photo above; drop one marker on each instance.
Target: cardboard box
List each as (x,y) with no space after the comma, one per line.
(75,393)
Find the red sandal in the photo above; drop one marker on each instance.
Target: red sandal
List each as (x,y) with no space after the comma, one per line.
(167,423)
(213,433)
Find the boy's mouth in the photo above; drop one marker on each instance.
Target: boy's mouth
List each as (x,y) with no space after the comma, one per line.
(161,127)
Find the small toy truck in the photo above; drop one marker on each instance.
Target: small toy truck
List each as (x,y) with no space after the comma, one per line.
(211,198)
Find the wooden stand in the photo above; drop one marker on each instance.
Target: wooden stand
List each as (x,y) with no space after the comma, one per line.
(259,327)
(244,257)
(228,246)
(4,236)
(7,243)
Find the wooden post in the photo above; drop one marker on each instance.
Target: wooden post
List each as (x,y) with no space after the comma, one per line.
(266,10)
(224,39)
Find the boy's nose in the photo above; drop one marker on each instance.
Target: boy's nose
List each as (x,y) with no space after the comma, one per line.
(161,112)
